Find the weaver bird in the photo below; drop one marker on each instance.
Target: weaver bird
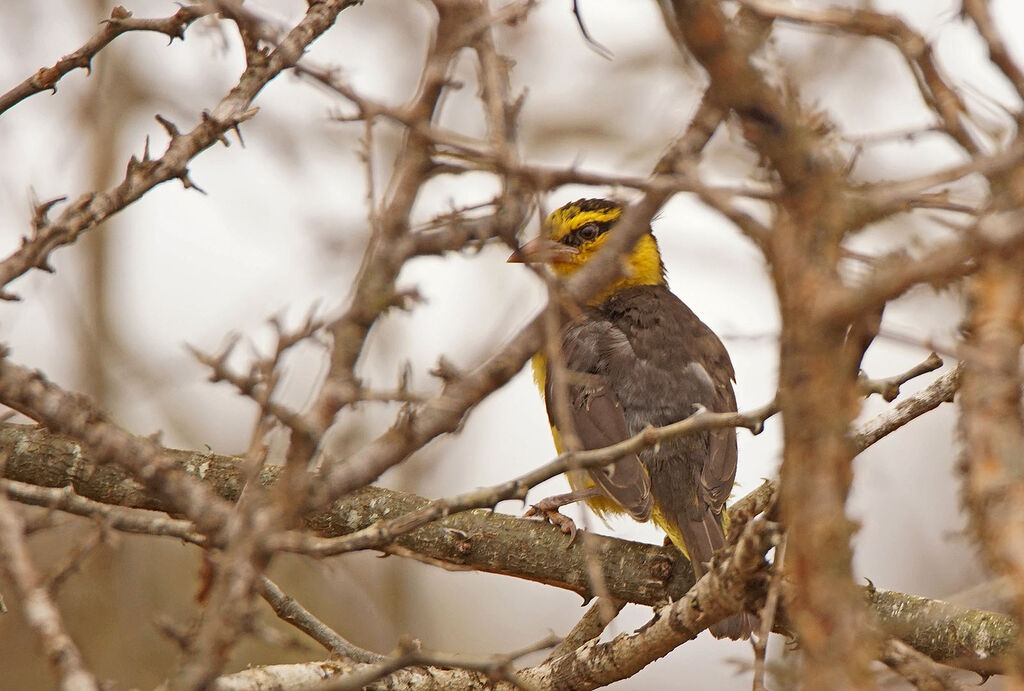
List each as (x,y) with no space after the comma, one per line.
(637,356)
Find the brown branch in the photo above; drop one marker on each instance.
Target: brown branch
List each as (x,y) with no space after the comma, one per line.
(32,395)
(591,625)
(374,290)
(977,10)
(879,200)
(120,22)
(91,208)
(767,615)
(288,609)
(385,532)
(992,421)
(917,668)
(938,267)
(889,387)
(38,607)
(486,541)
(411,654)
(916,51)
(817,394)
(325,674)
(722,591)
(935,394)
(128,520)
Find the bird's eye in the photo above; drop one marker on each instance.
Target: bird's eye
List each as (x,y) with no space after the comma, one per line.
(589,231)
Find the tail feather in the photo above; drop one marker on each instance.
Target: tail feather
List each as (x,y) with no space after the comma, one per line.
(702,538)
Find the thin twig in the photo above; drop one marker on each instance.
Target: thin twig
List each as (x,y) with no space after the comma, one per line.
(289,610)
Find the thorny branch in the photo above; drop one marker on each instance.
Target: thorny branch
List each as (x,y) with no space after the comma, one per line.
(91,208)
(121,21)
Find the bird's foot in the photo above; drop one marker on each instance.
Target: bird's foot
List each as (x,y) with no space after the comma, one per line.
(547,509)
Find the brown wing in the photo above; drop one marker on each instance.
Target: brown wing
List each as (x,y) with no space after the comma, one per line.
(596,413)
(718,474)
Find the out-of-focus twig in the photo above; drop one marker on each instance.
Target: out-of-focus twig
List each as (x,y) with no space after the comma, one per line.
(38,607)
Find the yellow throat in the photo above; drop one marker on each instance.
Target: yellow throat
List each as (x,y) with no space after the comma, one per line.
(584,225)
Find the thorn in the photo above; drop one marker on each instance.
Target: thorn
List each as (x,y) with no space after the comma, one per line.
(168,126)
(238,133)
(41,209)
(445,370)
(591,43)
(145,150)
(405,300)
(246,115)
(186,181)
(9,297)
(404,375)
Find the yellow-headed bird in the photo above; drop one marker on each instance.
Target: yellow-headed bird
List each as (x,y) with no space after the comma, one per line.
(637,356)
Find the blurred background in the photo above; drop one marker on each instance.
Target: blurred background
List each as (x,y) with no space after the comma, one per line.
(281,230)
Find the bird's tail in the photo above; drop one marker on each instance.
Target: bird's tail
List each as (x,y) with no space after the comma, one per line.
(701,538)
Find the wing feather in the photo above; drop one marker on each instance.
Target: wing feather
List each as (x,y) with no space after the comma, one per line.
(596,413)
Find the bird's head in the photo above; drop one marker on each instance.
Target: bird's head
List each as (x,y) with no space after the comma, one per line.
(572,235)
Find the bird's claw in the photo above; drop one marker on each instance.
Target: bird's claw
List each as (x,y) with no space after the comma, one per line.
(551,514)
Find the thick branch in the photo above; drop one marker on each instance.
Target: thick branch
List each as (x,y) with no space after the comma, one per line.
(817,394)
(498,543)
(31,394)
(992,420)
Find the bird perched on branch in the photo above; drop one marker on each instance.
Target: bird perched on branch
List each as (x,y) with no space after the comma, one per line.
(637,356)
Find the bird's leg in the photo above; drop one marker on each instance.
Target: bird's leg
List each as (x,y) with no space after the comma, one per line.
(548,507)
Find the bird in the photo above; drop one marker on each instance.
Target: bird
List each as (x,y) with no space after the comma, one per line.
(636,356)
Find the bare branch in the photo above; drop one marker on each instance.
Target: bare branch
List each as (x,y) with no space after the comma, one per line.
(483,540)
(889,388)
(127,520)
(992,420)
(29,393)
(977,10)
(289,610)
(917,668)
(120,22)
(91,208)
(939,96)
(39,609)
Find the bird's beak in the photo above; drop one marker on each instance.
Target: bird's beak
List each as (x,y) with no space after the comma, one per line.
(541,250)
